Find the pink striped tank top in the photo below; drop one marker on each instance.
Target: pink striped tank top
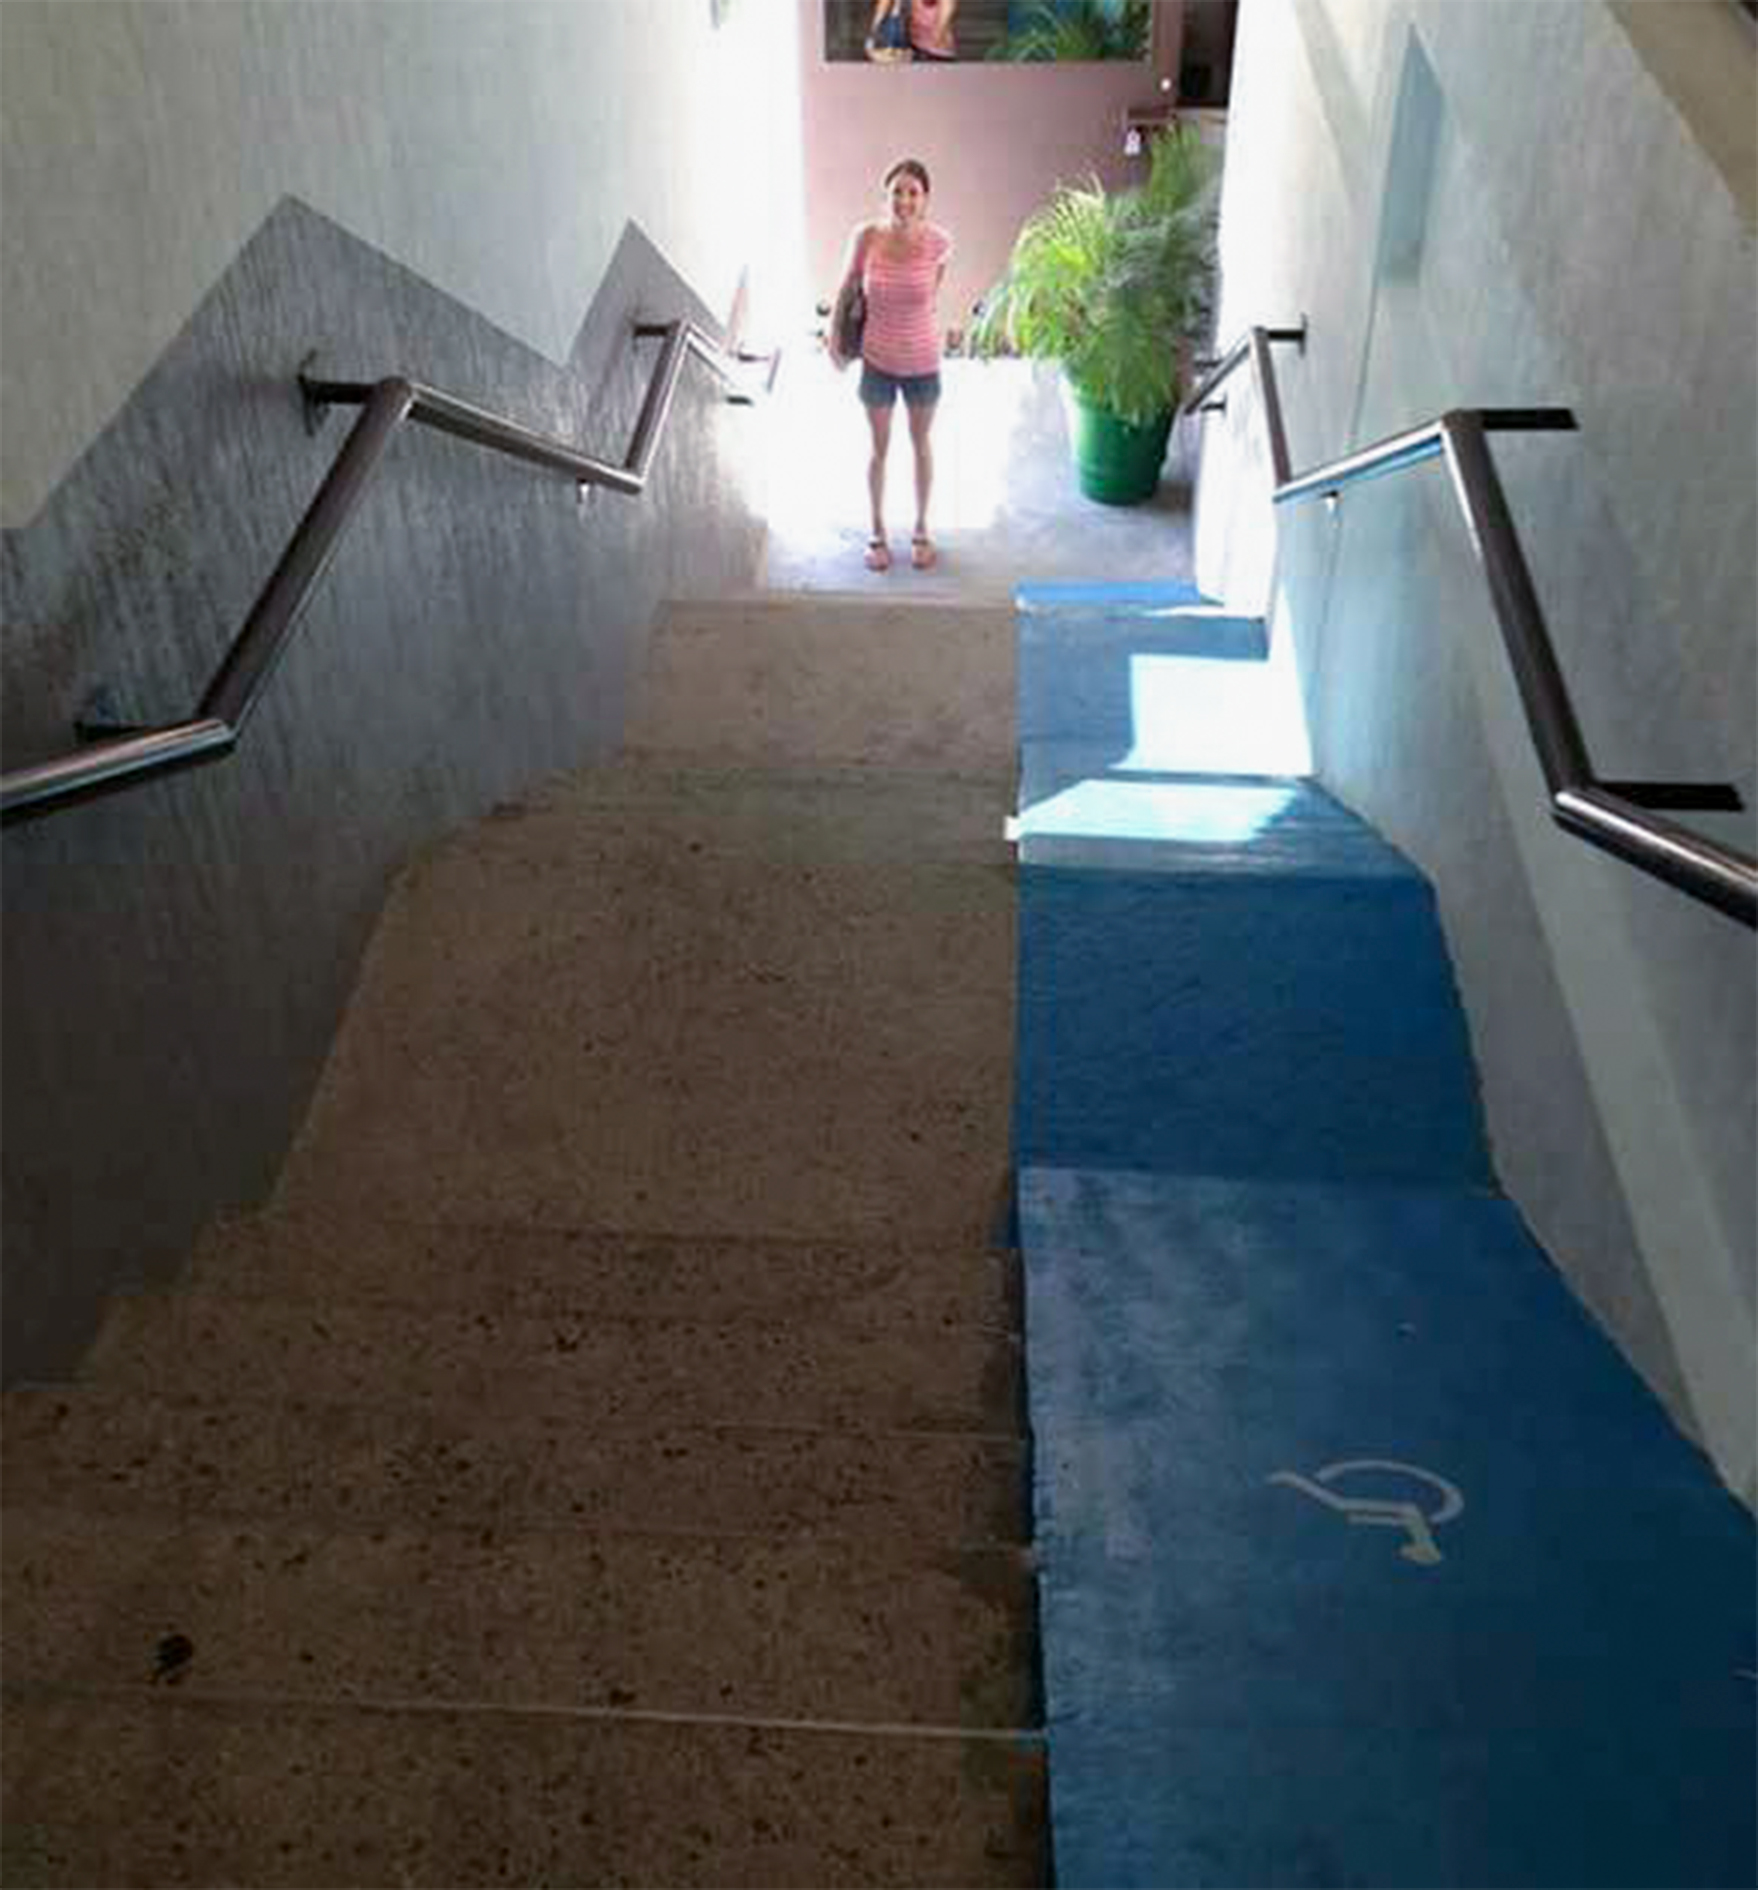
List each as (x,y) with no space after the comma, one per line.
(903,333)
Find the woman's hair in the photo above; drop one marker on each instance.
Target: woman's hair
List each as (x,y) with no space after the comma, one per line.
(909,167)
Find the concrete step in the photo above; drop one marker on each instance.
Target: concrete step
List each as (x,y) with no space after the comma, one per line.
(808,1628)
(577,1369)
(110,1448)
(660,1040)
(1108,600)
(169,1790)
(791,678)
(1138,687)
(1553,1597)
(542,1271)
(1273,832)
(662,807)
(1088,629)
(1226,1022)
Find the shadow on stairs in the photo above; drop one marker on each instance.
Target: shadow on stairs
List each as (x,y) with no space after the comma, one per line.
(602,1462)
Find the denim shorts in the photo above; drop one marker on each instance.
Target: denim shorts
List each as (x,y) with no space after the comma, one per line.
(879,389)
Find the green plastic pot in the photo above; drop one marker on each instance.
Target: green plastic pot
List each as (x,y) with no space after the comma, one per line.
(1117,463)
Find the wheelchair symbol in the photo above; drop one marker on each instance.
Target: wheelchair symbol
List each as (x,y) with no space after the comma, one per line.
(1384,1512)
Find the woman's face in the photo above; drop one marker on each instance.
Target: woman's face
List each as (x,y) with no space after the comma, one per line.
(907,198)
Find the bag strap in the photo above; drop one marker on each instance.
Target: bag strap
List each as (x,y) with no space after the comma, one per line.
(863,243)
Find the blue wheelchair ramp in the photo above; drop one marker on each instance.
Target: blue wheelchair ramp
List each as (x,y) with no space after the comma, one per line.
(1364,1557)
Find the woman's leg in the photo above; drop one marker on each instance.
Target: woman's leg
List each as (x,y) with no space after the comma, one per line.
(921,425)
(879,420)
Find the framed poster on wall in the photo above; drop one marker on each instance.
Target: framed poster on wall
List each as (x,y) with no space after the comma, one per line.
(889,32)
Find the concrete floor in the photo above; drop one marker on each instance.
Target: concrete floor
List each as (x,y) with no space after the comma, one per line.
(1005,508)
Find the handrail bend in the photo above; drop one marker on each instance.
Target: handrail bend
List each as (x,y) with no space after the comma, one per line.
(1254,346)
(1617,816)
(231,698)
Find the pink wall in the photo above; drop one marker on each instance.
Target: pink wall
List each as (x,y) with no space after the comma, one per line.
(995,139)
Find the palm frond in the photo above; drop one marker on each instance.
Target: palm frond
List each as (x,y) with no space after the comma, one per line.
(1110,284)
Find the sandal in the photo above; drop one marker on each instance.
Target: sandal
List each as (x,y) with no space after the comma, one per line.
(878,555)
(922,552)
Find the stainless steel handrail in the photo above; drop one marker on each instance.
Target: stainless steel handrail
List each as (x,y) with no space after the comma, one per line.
(1616,816)
(244,672)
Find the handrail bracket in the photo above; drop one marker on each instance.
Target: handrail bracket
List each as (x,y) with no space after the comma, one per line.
(316,410)
(1701,797)
(99,719)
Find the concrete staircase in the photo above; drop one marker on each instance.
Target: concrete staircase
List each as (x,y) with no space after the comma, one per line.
(602,1463)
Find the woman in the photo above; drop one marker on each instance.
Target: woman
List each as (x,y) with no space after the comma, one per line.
(930,29)
(888,32)
(901,261)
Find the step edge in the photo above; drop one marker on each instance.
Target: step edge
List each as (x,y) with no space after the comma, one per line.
(75,1390)
(149,1300)
(1034,1738)
(1018,1555)
(229,1219)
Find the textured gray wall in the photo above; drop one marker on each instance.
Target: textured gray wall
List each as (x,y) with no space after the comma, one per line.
(497,147)
(176,957)
(1575,242)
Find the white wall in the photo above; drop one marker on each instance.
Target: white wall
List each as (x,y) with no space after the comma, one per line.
(496,147)
(1585,239)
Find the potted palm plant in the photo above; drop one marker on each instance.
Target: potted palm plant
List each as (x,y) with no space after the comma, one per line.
(1117,286)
